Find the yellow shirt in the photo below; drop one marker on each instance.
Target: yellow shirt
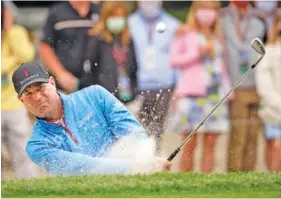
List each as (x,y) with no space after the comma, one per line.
(16,49)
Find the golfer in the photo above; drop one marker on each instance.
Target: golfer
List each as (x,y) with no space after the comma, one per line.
(86,132)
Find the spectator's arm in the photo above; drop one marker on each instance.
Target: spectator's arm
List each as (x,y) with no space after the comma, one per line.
(118,118)
(92,52)
(88,78)
(47,45)
(50,59)
(132,67)
(264,81)
(184,50)
(21,47)
(59,162)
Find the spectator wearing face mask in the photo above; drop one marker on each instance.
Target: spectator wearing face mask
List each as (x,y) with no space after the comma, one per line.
(64,40)
(156,77)
(241,23)
(203,82)
(110,60)
(268,8)
(268,79)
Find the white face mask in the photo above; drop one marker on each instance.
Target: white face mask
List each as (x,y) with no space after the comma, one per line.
(266,6)
(116,24)
(150,9)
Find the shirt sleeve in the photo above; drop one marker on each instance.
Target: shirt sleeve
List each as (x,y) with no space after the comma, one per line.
(59,162)
(48,33)
(119,119)
(265,80)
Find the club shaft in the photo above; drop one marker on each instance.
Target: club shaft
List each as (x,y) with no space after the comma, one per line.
(214,109)
(171,157)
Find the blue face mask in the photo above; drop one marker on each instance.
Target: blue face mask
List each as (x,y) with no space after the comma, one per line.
(116,24)
(266,6)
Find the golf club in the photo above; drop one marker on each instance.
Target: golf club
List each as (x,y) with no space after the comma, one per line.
(257,45)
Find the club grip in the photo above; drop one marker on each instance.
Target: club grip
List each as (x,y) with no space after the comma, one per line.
(254,65)
(171,157)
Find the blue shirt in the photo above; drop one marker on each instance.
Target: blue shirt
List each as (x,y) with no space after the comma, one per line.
(96,119)
(161,75)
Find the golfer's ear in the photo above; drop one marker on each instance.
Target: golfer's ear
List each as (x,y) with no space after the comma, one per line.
(52,81)
(20,98)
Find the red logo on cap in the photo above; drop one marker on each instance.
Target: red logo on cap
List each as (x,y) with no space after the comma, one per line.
(26,73)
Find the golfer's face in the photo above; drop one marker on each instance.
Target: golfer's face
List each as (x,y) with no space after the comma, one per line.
(37,99)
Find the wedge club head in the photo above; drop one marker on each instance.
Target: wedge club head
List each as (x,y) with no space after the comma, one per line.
(258,46)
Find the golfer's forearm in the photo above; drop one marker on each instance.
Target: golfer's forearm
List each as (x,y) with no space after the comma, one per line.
(65,163)
(93,166)
(50,59)
(60,162)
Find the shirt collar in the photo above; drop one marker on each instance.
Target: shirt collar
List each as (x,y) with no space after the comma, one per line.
(161,14)
(235,11)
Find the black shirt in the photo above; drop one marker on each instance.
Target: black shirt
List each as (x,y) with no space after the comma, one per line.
(103,68)
(67,33)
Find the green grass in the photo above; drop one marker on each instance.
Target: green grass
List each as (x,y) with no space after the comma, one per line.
(252,185)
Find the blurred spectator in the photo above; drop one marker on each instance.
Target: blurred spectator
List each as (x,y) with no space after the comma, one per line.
(241,23)
(111,60)
(268,80)
(64,41)
(203,82)
(15,124)
(268,8)
(156,77)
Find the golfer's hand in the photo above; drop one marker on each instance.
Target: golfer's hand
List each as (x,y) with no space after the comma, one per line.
(150,165)
(167,165)
(161,164)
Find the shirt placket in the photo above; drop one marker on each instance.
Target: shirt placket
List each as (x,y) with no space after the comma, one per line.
(62,124)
